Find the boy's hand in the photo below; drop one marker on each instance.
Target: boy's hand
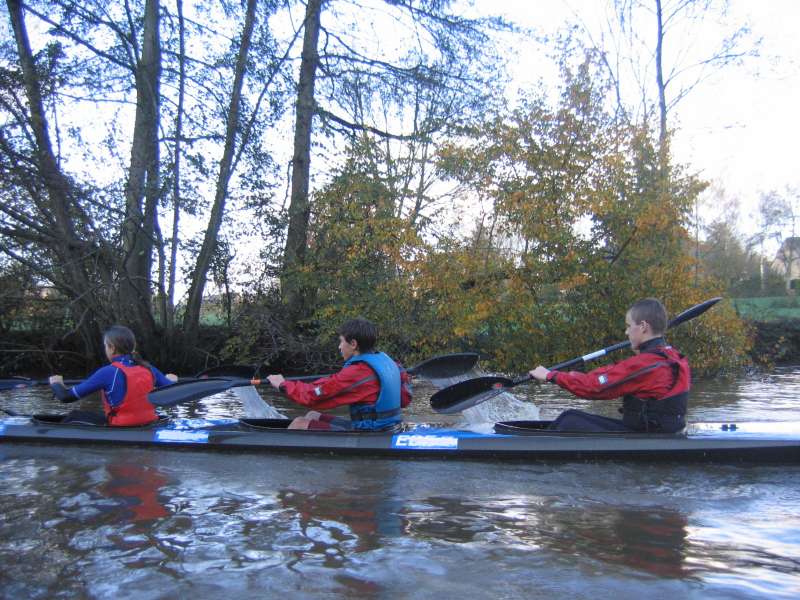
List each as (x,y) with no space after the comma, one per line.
(172,377)
(540,373)
(56,379)
(276,381)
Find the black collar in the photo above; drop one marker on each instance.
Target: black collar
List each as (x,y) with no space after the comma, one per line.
(652,343)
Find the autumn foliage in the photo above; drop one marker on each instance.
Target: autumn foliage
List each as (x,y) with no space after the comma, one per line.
(582,224)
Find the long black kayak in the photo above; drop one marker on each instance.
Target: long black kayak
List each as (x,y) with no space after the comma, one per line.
(526,440)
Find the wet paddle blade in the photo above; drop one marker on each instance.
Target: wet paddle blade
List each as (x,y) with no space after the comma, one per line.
(455,405)
(188,391)
(255,407)
(468,393)
(14,383)
(445,366)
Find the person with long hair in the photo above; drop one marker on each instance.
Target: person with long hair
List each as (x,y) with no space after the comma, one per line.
(123,384)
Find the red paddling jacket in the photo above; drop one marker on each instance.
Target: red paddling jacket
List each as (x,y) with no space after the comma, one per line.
(654,385)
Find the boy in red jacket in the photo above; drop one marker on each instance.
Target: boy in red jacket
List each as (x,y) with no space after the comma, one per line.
(654,384)
(370,383)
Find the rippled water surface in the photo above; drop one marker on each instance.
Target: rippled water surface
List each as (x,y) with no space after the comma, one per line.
(142,523)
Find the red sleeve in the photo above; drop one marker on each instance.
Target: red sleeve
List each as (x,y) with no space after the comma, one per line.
(644,375)
(337,390)
(406,394)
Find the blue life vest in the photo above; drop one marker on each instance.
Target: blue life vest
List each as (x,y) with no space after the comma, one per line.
(385,413)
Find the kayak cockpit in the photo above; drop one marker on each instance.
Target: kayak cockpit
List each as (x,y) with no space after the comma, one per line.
(58,419)
(265,423)
(541,428)
(272,424)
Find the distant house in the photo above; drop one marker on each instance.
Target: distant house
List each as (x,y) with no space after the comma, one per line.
(787,261)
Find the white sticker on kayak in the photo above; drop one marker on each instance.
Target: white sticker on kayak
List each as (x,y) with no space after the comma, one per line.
(171,435)
(423,442)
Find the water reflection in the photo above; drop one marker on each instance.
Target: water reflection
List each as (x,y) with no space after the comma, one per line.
(650,540)
(136,489)
(134,523)
(339,521)
(357,515)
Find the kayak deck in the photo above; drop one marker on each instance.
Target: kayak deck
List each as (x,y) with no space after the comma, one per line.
(525,440)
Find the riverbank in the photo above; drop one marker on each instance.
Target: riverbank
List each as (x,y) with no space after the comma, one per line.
(776,342)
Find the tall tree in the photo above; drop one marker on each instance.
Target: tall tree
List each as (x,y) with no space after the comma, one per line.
(296,235)
(142,188)
(110,58)
(679,67)
(58,217)
(232,131)
(453,56)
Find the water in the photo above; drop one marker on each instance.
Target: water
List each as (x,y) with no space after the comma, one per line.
(146,523)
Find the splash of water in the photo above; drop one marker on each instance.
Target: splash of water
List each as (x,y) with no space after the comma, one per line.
(255,407)
(503,407)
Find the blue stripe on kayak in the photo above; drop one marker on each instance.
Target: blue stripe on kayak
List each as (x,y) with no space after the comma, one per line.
(178,435)
(2,428)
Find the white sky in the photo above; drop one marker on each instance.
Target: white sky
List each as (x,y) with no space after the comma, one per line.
(738,129)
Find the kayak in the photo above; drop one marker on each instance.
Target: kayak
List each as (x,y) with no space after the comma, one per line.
(524,440)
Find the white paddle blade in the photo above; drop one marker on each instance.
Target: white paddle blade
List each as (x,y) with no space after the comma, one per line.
(255,407)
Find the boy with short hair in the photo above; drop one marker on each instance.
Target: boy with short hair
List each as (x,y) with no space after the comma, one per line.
(370,383)
(654,384)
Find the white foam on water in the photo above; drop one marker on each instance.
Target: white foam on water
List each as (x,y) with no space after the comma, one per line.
(503,407)
(255,407)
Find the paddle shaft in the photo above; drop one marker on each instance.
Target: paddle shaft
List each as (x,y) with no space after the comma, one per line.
(470,392)
(195,390)
(688,314)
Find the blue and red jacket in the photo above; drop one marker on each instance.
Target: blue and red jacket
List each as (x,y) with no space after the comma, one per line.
(123,386)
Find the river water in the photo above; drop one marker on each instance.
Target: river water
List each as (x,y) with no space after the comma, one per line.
(144,523)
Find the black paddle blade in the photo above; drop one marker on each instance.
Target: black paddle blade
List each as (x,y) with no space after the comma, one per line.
(17,383)
(468,393)
(14,383)
(186,391)
(691,313)
(444,366)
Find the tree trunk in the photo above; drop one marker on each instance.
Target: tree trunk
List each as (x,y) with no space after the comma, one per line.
(142,187)
(176,177)
(191,321)
(662,93)
(297,233)
(68,250)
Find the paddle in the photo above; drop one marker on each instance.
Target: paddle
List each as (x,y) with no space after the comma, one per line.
(466,394)
(16,383)
(13,383)
(178,393)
